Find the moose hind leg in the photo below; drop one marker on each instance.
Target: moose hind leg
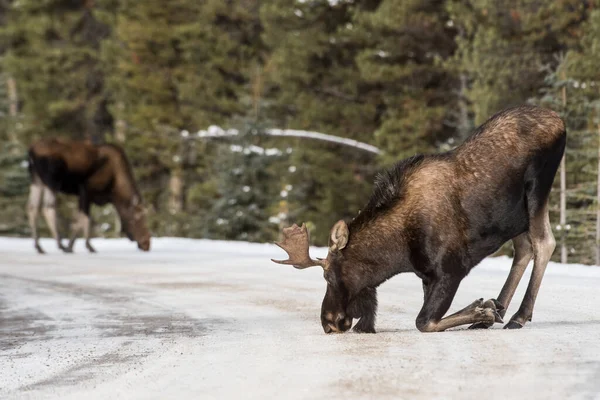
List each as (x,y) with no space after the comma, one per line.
(439,298)
(49,210)
(364,307)
(522,255)
(543,243)
(33,209)
(540,232)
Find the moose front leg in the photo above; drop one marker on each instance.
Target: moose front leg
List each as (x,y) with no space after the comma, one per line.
(364,307)
(82,222)
(49,211)
(439,297)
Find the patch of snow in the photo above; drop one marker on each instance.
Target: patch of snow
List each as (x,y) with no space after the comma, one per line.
(218,319)
(215,131)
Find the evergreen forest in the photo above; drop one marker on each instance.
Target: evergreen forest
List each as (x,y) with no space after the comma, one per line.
(195,90)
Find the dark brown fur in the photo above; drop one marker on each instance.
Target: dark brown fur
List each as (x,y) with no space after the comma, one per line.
(97,174)
(439,215)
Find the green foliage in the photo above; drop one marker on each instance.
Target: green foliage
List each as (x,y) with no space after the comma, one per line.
(52,52)
(583,116)
(403,44)
(14,185)
(313,82)
(247,189)
(407,75)
(176,66)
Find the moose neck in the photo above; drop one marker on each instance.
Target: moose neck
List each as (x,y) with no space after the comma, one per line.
(124,189)
(369,260)
(123,194)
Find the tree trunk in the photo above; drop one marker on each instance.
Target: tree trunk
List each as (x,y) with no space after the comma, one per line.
(598,205)
(464,126)
(120,124)
(176,191)
(13,107)
(117,224)
(563,196)
(563,211)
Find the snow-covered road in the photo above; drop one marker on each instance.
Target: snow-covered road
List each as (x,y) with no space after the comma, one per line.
(198,319)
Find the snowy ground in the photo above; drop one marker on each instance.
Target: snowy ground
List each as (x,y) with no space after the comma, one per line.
(217,320)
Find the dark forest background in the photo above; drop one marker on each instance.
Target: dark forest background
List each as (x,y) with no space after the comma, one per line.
(407,76)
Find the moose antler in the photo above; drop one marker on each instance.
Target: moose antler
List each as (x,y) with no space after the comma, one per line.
(295,243)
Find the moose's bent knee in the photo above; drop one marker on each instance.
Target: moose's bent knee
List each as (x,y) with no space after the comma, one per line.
(426,326)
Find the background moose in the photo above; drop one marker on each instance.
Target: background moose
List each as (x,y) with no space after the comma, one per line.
(97,175)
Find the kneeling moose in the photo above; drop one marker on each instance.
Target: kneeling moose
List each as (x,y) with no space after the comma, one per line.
(439,216)
(97,174)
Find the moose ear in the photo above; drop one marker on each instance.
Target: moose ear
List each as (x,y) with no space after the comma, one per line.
(338,238)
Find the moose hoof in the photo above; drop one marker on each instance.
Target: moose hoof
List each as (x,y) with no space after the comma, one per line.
(487,315)
(493,303)
(364,325)
(480,325)
(513,325)
(365,329)
(90,248)
(39,249)
(496,307)
(67,249)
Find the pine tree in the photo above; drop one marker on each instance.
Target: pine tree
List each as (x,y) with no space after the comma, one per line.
(404,44)
(501,46)
(14,186)
(14,177)
(584,120)
(509,53)
(177,66)
(248,188)
(52,52)
(313,83)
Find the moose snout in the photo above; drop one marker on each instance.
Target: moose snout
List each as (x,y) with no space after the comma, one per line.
(144,244)
(340,324)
